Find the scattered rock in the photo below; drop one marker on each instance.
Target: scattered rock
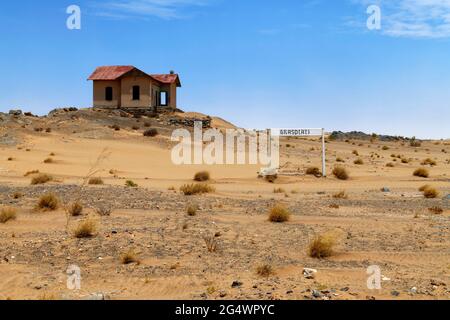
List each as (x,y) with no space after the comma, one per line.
(309,273)
(17,112)
(236,284)
(98,296)
(317,294)
(385,189)
(395,293)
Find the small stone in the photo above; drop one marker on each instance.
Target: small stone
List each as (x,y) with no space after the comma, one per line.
(236,284)
(309,273)
(395,293)
(413,290)
(317,294)
(345,289)
(385,189)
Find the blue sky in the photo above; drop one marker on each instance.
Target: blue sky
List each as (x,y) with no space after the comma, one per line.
(259,64)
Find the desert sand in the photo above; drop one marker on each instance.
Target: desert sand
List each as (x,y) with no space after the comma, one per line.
(393,228)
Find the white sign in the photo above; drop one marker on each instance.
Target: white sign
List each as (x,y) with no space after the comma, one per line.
(299,132)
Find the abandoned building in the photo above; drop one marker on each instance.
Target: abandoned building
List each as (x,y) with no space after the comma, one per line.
(127,87)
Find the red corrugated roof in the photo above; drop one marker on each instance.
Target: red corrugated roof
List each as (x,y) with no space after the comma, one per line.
(115,72)
(166,78)
(110,72)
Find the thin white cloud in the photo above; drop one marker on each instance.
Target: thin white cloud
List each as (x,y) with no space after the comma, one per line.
(164,9)
(414,18)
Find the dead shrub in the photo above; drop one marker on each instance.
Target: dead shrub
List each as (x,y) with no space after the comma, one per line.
(135,128)
(334,206)
(131,184)
(322,246)
(104,211)
(339,159)
(421,172)
(390,165)
(129,257)
(359,161)
(49,160)
(202,176)
(115,127)
(95,181)
(430,193)
(340,173)
(279,190)
(429,162)
(313,171)
(279,214)
(7,214)
(48,202)
(340,195)
(85,229)
(199,188)
(192,210)
(41,179)
(436,210)
(265,270)
(405,160)
(355,152)
(211,243)
(151,132)
(385,148)
(17,195)
(75,209)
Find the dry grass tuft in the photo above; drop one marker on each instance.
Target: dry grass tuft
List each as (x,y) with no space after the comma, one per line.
(429,162)
(279,214)
(48,202)
(341,173)
(430,193)
(129,257)
(199,188)
(211,243)
(131,184)
(192,210)
(202,176)
(436,210)
(421,172)
(75,209)
(95,181)
(322,246)
(7,214)
(313,171)
(340,195)
(151,133)
(85,229)
(424,187)
(279,190)
(41,179)
(265,270)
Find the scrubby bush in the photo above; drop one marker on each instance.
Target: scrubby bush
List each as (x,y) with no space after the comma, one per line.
(313,171)
(131,184)
(390,165)
(41,179)
(340,195)
(429,162)
(7,214)
(265,270)
(436,210)
(75,209)
(322,246)
(95,181)
(340,173)
(192,210)
(430,193)
(202,176)
(151,132)
(48,202)
(85,229)
(129,257)
(199,188)
(421,172)
(359,161)
(279,214)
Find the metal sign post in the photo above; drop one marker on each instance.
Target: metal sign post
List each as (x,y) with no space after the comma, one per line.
(302,132)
